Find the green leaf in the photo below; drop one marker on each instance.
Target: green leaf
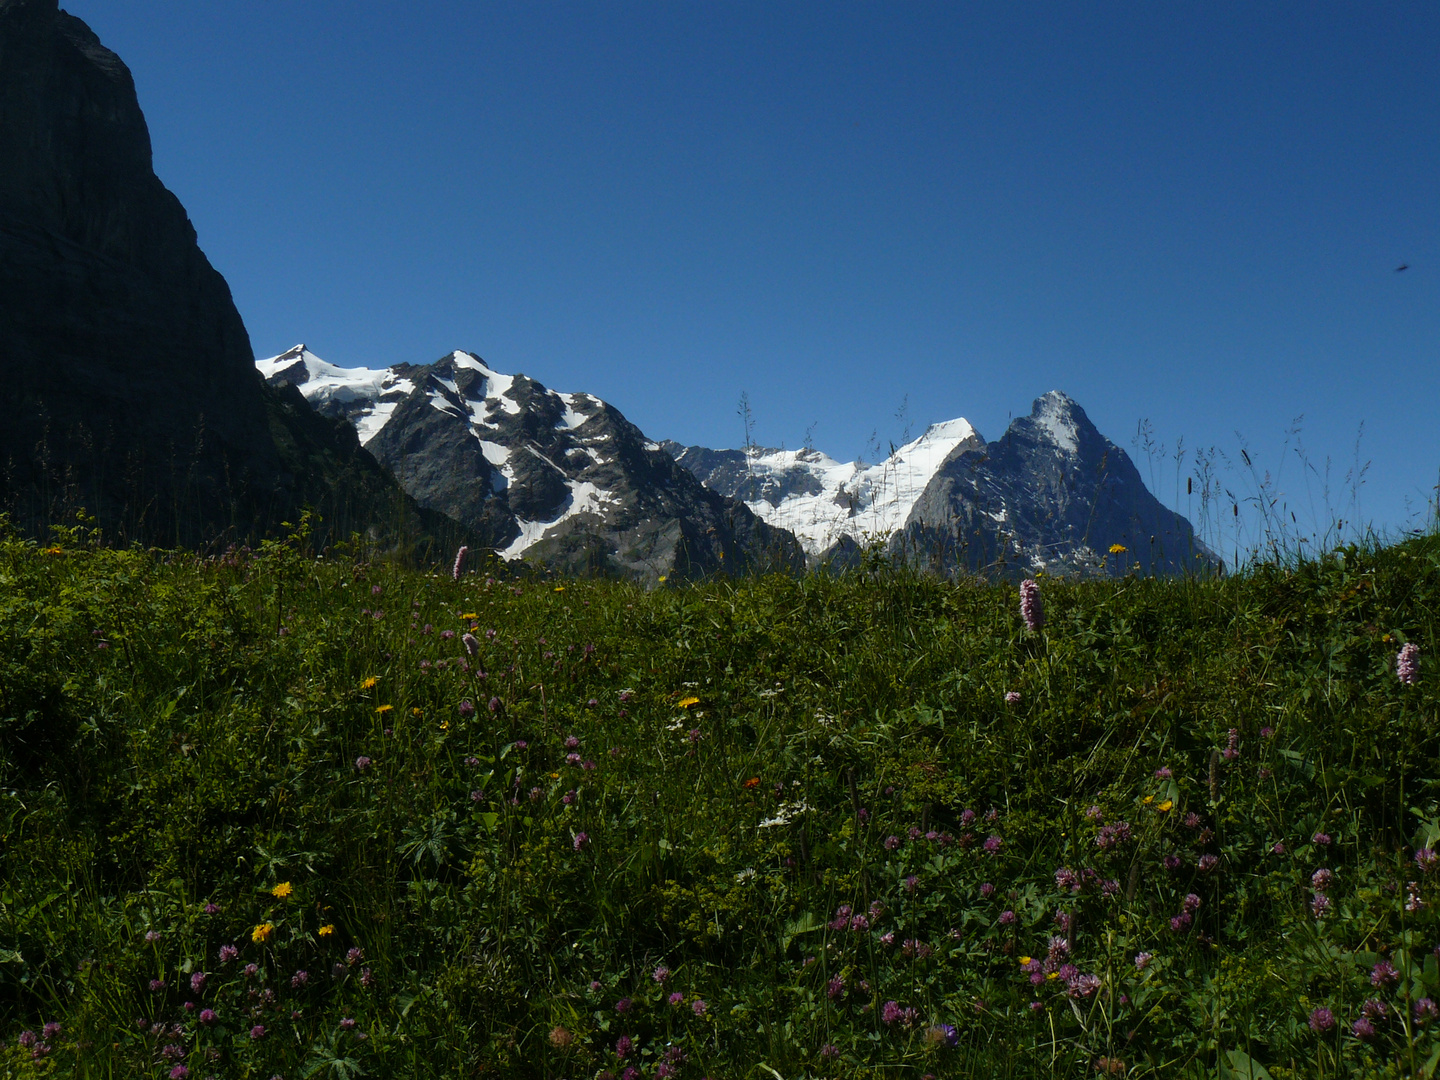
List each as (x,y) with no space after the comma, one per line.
(1242,1066)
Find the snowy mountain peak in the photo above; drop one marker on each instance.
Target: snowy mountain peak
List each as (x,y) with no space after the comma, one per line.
(559,476)
(1059,419)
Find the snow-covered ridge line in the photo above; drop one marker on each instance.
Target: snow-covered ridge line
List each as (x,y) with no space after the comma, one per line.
(820,499)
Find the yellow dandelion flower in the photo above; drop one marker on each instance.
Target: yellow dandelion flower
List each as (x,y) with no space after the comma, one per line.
(1148,799)
(470,615)
(282,890)
(368,683)
(1166,805)
(661,579)
(383,708)
(262,932)
(554,776)
(327,930)
(1118,549)
(686,702)
(559,588)
(1024,961)
(444,725)
(415,711)
(1053,975)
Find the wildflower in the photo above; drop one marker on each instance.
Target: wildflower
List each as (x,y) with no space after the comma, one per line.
(1083,986)
(1320,838)
(471,643)
(698,1006)
(987,890)
(1426,1010)
(1407,664)
(1320,905)
(753,782)
(281,891)
(179,1072)
(258,1031)
(1426,859)
(660,974)
(1232,747)
(911,883)
(1278,848)
(859,923)
(228,953)
(1208,863)
(1412,897)
(1322,879)
(197,982)
(993,844)
(495,707)
(1032,610)
(299,979)
(890,1012)
(362,763)
(1363,1029)
(676,998)
(1166,806)
(467,708)
(1012,697)
(1181,922)
(1163,773)
(1171,862)
(1110,836)
(367,978)
(1142,960)
(1375,1009)
(581,839)
(207,1017)
(1118,549)
(382,709)
(560,1038)
(1191,903)
(891,843)
(1007,918)
(623,1006)
(50,1030)
(262,932)
(887,939)
(1383,974)
(459,562)
(250,971)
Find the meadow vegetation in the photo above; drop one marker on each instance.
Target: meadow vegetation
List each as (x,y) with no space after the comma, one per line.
(275,814)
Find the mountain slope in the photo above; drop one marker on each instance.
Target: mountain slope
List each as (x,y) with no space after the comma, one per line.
(560,478)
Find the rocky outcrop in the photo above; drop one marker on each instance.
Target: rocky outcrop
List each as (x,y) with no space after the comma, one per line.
(127,370)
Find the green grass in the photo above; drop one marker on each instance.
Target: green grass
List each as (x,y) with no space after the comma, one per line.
(750,760)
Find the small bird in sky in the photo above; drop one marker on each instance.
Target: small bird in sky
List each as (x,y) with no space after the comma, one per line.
(1402,267)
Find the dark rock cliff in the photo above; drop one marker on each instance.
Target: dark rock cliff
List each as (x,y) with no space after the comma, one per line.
(126,369)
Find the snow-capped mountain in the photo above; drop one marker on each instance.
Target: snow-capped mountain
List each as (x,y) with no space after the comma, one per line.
(561,478)
(820,499)
(1052,493)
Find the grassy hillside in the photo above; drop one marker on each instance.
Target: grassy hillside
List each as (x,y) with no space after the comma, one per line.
(267,815)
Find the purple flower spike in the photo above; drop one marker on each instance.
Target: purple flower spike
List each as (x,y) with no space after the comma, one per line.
(1407,664)
(1032,610)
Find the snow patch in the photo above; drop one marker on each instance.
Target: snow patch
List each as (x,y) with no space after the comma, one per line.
(584,498)
(368,396)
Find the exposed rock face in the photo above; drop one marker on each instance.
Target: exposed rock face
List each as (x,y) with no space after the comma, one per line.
(127,369)
(562,479)
(1052,493)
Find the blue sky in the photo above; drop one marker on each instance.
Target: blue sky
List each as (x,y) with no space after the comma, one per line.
(1185,213)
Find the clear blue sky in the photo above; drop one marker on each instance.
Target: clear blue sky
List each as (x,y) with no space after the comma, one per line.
(1186,212)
